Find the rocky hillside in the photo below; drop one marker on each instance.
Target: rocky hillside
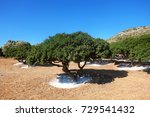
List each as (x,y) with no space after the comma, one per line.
(131,32)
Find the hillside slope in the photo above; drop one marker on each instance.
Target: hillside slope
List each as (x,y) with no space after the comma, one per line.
(131,32)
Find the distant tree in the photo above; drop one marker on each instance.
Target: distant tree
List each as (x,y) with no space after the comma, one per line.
(120,50)
(22,49)
(9,49)
(34,55)
(141,52)
(16,49)
(133,48)
(41,53)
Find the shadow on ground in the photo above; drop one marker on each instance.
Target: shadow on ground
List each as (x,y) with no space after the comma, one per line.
(147,70)
(94,76)
(104,76)
(45,65)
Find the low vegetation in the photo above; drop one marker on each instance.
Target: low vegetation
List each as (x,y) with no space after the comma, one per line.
(133,48)
(131,32)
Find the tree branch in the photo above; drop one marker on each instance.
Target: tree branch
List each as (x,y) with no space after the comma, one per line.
(81,67)
(56,64)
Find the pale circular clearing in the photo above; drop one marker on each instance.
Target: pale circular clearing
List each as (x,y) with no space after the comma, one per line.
(124,66)
(22,65)
(25,66)
(135,68)
(18,64)
(64,81)
(96,63)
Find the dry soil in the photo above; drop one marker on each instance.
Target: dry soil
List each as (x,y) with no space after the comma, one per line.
(33,83)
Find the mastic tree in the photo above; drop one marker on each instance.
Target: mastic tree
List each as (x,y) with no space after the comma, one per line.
(78,47)
(82,48)
(9,49)
(16,49)
(64,48)
(34,55)
(134,48)
(39,53)
(141,52)
(42,53)
(119,48)
(101,49)
(22,49)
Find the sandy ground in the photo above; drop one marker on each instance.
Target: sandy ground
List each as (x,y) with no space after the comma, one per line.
(33,83)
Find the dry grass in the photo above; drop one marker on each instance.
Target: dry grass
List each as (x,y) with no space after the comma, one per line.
(32,83)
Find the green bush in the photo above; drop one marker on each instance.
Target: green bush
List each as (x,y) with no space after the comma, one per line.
(134,48)
(16,49)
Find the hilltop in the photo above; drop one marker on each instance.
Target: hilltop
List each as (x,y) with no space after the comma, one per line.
(131,32)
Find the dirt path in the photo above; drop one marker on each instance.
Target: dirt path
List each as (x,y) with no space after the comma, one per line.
(32,83)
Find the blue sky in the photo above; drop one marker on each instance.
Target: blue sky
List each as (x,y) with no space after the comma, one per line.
(35,20)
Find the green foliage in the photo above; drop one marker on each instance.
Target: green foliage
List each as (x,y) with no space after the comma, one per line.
(101,49)
(16,49)
(9,49)
(119,48)
(21,50)
(82,47)
(76,47)
(141,52)
(134,48)
(34,55)
(60,48)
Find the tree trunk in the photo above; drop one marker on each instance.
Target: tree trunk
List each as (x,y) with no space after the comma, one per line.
(55,64)
(132,63)
(65,67)
(73,75)
(139,62)
(81,67)
(100,60)
(20,60)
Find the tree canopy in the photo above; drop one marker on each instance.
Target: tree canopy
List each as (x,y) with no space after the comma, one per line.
(16,49)
(64,48)
(133,48)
